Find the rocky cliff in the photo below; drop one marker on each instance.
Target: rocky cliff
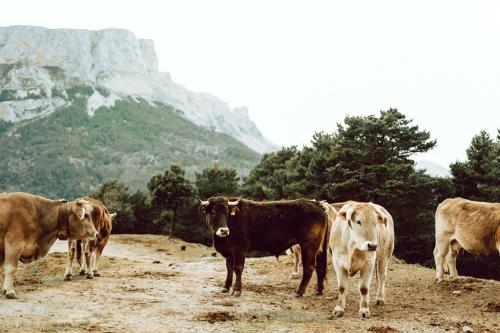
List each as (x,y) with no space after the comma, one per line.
(39,67)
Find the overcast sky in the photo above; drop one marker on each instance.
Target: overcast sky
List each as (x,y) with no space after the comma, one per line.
(301,66)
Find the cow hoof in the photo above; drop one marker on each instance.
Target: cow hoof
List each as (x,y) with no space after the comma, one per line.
(82,273)
(97,274)
(236,293)
(224,290)
(67,277)
(379,302)
(338,314)
(298,295)
(364,314)
(317,293)
(89,276)
(11,294)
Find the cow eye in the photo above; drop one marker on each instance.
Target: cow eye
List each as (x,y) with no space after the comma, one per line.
(358,222)
(86,216)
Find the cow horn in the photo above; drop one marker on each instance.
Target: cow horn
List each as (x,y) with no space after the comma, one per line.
(234,203)
(204,203)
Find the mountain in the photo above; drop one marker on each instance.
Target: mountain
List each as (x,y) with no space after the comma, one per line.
(80,107)
(40,64)
(67,153)
(432,168)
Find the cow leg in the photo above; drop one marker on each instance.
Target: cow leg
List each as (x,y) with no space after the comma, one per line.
(71,255)
(308,263)
(296,262)
(12,255)
(451,259)
(81,248)
(95,267)
(382,265)
(364,289)
(321,267)
(88,262)
(229,277)
(342,283)
(238,265)
(440,251)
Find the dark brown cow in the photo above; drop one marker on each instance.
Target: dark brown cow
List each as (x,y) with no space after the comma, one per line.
(88,251)
(241,226)
(29,226)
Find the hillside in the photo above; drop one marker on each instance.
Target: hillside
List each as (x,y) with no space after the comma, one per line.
(149,284)
(67,152)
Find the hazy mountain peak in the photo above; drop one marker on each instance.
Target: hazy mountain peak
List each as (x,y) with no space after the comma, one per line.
(432,168)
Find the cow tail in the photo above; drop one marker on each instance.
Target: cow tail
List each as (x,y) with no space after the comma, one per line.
(322,257)
(79,252)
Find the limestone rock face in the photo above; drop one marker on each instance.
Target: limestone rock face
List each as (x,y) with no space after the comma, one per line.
(38,67)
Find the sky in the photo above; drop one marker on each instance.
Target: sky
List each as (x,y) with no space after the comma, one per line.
(302,66)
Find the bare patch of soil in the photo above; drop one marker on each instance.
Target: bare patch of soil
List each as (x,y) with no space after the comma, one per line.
(213,317)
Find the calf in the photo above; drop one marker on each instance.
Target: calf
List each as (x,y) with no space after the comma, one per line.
(362,237)
(88,252)
(29,226)
(241,226)
(463,224)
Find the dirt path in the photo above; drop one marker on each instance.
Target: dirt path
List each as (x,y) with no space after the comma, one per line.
(180,294)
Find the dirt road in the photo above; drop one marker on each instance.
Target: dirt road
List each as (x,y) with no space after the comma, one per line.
(180,294)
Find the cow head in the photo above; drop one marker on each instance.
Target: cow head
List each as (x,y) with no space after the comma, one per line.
(363,220)
(217,211)
(80,225)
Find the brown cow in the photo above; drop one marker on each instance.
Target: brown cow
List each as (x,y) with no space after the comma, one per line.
(295,250)
(29,226)
(88,251)
(241,226)
(464,224)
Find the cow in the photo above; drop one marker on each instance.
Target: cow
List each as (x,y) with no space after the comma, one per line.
(295,250)
(464,224)
(240,226)
(88,251)
(29,226)
(361,240)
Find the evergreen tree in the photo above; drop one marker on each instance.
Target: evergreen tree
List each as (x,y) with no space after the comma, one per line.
(169,192)
(213,182)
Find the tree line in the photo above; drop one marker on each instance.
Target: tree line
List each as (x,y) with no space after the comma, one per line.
(367,158)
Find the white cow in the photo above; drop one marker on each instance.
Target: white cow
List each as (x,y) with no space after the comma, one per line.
(362,238)
(464,224)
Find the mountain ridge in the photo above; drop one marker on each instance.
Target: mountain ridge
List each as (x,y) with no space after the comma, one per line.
(113,59)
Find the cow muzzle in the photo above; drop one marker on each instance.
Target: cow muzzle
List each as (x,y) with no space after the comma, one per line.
(372,246)
(222,232)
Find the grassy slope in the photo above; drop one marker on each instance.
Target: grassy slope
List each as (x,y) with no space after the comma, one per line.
(68,153)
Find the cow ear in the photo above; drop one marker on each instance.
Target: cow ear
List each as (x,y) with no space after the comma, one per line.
(233,210)
(382,219)
(202,210)
(112,216)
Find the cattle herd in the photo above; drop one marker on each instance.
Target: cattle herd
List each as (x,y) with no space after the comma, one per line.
(359,236)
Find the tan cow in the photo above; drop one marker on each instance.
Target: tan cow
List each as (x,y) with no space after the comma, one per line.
(362,238)
(29,226)
(464,224)
(88,252)
(295,250)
